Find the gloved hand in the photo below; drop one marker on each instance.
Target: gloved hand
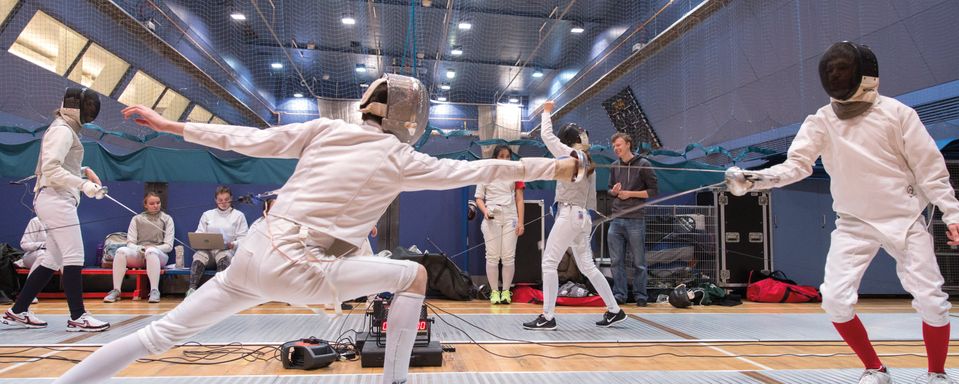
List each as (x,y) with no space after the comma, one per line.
(737,181)
(93,190)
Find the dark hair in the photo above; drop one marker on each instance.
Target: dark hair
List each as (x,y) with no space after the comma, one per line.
(379,95)
(499,148)
(221,190)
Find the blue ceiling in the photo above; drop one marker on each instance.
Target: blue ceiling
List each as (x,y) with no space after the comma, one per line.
(319,53)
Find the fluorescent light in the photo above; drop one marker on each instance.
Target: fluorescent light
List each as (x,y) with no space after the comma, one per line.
(441,98)
(297,94)
(513,100)
(277,65)
(361,68)
(537,73)
(450,73)
(445,87)
(348,20)
(457,51)
(465,25)
(238,16)
(364,85)
(577,29)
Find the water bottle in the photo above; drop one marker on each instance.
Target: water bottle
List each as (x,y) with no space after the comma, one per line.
(99,254)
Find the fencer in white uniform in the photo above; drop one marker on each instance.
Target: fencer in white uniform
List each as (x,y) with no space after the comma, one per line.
(884,170)
(58,188)
(226,221)
(571,230)
(502,207)
(305,250)
(33,243)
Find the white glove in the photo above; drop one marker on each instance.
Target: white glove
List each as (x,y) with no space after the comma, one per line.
(737,182)
(93,190)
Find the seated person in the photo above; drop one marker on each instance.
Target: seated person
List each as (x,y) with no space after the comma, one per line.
(149,239)
(224,220)
(34,245)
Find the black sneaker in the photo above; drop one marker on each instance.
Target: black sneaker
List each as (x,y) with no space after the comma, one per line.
(610,318)
(641,303)
(541,324)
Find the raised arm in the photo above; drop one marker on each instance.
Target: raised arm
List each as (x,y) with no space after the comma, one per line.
(556,147)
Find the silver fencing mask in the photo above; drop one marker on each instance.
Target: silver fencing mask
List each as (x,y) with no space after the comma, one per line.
(84,99)
(406,111)
(847,69)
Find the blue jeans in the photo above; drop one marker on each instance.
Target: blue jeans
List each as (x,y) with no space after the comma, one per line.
(625,232)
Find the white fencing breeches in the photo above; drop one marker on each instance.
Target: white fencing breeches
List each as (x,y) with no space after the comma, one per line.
(57,211)
(854,244)
(259,273)
(499,234)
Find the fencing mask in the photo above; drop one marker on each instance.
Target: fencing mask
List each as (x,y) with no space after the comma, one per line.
(679,297)
(406,109)
(572,133)
(849,73)
(84,99)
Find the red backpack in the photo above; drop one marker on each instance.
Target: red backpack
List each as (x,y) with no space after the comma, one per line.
(776,288)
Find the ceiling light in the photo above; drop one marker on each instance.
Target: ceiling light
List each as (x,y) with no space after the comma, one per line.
(445,87)
(538,73)
(513,100)
(297,94)
(361,68)
(237,16)
(457,51)
(441,98)
(577,29)
(465,25)
(450,73)
(277,65)
(348,20)
(364,85)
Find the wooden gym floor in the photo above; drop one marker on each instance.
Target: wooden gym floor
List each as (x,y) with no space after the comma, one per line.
(471,358)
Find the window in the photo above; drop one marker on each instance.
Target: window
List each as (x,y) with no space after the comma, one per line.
(199,115)
(99,70)
(217,120)
(5,7)
(172,105)
(48,43)
(142,90)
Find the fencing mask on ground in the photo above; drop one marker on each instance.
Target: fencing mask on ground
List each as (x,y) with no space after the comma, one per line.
(849,73)
(406,111)
(84,99)
(679,297)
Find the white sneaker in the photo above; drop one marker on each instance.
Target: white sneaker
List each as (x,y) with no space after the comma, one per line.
(87,323)
(154,296)
(25,319)
(875,376)
(112,297)
(938,378)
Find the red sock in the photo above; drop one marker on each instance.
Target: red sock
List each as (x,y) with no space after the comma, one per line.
(854,334)
(937,346)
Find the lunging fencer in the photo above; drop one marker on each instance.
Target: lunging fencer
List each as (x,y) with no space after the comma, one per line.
(884,169)
(60,179)
(571,229)
(305,250)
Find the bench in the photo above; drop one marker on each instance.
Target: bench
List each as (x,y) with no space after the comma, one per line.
(138,293)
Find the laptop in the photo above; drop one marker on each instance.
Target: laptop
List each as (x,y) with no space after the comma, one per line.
(204,241)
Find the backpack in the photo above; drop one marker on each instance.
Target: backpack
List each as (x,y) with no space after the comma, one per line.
(777,288)
(444,278)
(111,243)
